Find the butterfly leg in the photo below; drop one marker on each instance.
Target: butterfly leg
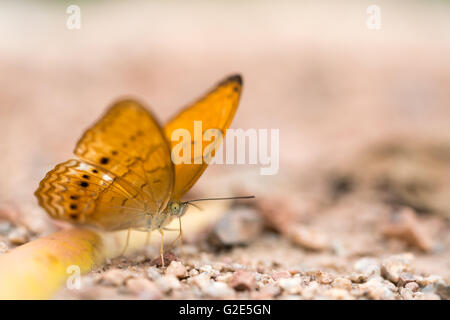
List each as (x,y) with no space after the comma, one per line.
(180,236)
(174,240)
(126,242)
(161,248)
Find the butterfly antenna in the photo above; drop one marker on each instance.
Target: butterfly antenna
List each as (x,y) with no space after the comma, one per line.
(194,205)
(227,198)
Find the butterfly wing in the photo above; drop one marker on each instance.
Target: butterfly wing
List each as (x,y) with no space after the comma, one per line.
(128,142)
(215,110)
(83,193)
(133,171)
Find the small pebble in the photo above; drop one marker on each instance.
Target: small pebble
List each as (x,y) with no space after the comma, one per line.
(193,272)
(279,275)
(115,277)
(238,227)
(168,283)
(177,269)
(308,238)
(412,286)
(433,279)
(218,290)
(236,266)
(266,279)
(392,267)
(342,283)
(376,289)
(140,259)
(291,285)
(168,258)
(144,289)
(406,226)
(153,273)
(310,291)
(405,278)
(406,293)
(224,277)
(243,280)
(267,292)
(357,277)
(338,294)
(367,266)
(226,267)
(323,277)
(18,236)
(208,269)
(202,280)
(219,266)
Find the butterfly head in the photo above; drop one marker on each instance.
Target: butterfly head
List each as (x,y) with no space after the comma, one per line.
(177,208)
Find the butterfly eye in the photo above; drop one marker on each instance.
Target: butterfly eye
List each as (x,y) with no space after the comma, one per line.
(175,208)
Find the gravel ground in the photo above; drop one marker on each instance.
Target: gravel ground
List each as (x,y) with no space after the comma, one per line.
(208,275)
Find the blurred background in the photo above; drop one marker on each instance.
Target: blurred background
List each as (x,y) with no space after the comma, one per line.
(363,113)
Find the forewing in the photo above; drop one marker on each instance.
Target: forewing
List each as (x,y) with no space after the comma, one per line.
(215,110)
(129,143)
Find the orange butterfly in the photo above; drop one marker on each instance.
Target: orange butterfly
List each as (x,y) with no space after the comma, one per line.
(124,177)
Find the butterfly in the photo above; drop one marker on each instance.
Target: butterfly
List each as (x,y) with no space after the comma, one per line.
(124,177)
